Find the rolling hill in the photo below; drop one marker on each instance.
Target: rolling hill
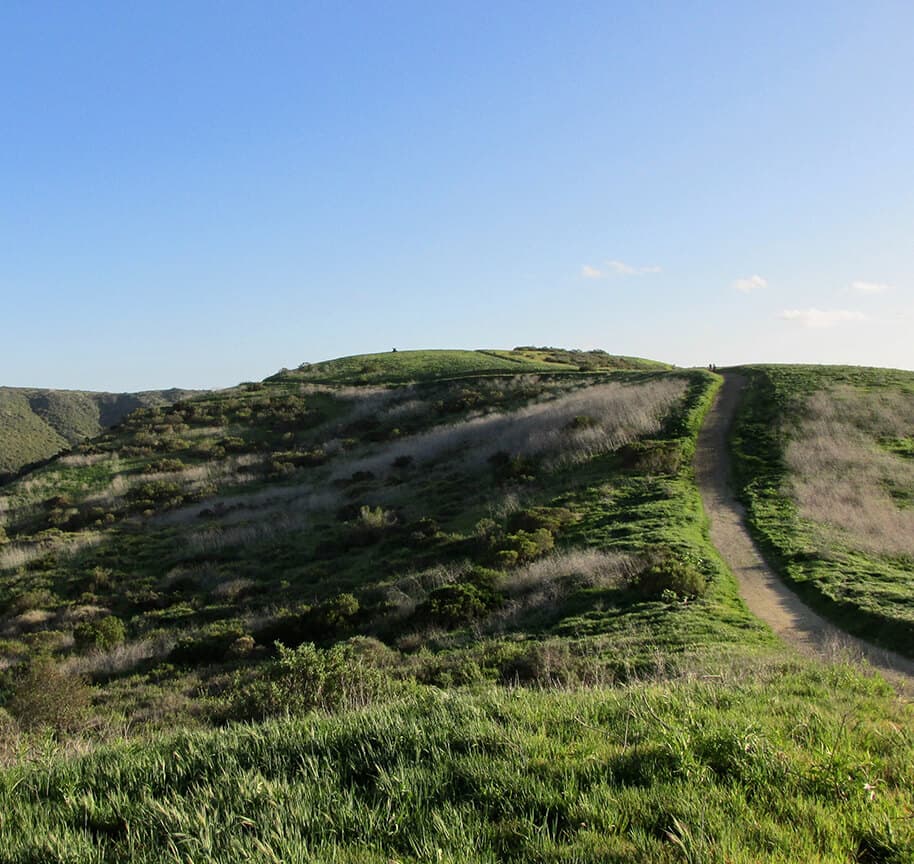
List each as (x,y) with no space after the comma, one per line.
(428,606)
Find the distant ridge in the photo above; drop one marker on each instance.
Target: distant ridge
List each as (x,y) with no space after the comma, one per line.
(36,424)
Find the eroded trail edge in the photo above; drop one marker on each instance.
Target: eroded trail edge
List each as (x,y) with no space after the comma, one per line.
(763,592)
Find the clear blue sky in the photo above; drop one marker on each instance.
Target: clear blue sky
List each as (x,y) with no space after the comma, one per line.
(197,194)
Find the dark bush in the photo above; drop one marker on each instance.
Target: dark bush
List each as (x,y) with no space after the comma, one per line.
(534,518)
(459,603)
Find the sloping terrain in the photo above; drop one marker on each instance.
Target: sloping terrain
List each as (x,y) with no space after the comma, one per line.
(37,424)
(764,592)
(823,463)
(465,613)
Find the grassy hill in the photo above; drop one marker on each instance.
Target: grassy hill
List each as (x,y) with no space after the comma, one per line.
(404,366)
(37,424)
(416,606)
(824,461)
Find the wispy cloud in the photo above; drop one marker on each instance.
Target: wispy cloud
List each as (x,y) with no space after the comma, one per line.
(819,319)
(616,268)
(748,284)
(867,288)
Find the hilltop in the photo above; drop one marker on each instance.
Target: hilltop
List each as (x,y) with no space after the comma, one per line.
(403,366)
(477,587)
(36,424)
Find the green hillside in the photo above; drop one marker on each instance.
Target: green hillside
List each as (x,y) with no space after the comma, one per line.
(417,606)
(824,462)
(37,424)
(404,366)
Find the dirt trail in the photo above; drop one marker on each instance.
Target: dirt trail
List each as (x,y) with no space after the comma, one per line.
(764,593)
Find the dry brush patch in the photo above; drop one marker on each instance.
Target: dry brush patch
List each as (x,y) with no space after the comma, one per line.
(567,429)
(840,476)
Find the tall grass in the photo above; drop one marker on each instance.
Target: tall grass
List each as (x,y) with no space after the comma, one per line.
(567,429)
(734,767)
(842,478)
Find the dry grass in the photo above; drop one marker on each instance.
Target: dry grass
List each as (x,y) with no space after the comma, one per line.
(613,414)
(842,479)
(543,584)
(83,460)
(15,555)
(120,659)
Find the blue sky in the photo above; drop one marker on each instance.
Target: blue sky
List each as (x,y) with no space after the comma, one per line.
(196,194)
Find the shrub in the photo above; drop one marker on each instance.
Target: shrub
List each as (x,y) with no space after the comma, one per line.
(241,647)
(371,523)
(424,530)
(38,598)
(102,635)
(163,466)
(44,695)
(669,577)
(306,678)
(507,467)
(534,518)
(211,646)
(524,546)
(335,615)
(459,603)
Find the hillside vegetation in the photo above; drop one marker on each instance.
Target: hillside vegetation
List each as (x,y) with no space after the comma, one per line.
(37,424)
(391,608)
(825,461)
(404,366)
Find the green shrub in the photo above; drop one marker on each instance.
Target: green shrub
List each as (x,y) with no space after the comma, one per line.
(102,635)
(534,518)
(524,546)
(669,577)
(306,678)
(335,615)
(37,598)
(459,603)
(45,696)
(167,465)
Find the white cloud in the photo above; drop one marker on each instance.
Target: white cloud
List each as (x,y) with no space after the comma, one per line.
(616,268)
(819,319)
(750,283)
(870,287)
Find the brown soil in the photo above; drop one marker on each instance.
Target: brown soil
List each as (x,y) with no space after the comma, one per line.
(763,592)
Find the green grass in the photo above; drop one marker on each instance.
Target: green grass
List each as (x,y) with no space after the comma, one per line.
(868,593)
(787,762)
(402,366)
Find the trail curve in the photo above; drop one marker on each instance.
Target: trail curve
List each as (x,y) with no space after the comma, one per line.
(763,592)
